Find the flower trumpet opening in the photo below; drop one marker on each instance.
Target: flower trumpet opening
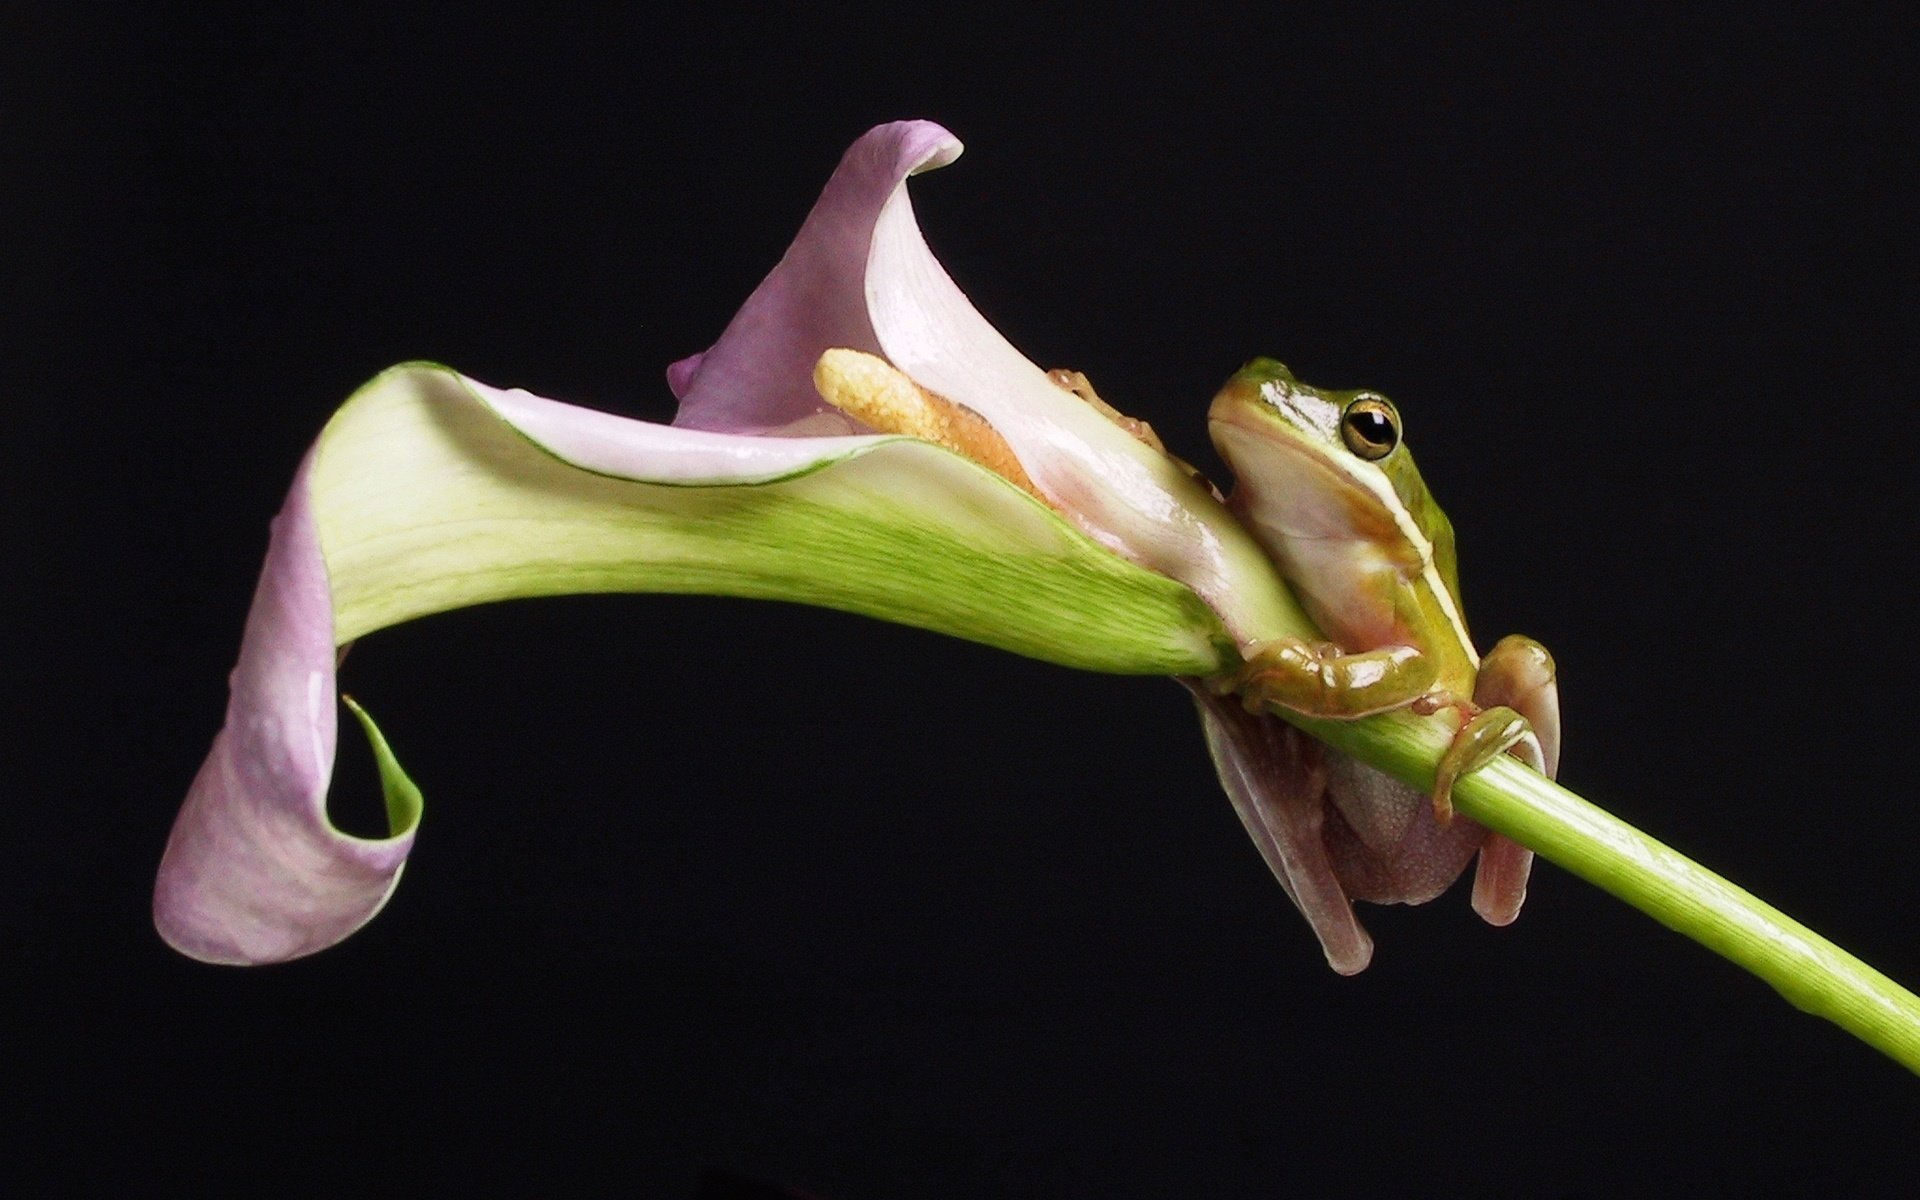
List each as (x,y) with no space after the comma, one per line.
(860,277)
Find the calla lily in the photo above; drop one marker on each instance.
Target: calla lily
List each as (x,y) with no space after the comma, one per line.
(429,491)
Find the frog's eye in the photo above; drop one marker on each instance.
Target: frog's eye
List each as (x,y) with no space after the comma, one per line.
(1370,427)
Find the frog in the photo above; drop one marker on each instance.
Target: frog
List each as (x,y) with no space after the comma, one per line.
(1325,483)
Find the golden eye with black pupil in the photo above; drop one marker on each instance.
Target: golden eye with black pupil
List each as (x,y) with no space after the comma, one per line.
(1370,428)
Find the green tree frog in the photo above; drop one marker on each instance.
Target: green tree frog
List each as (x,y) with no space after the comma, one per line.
(1328,488)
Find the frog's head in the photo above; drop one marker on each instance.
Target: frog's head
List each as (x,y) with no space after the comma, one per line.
(1325,480)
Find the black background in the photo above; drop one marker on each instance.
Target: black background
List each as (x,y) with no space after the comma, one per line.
(709,883)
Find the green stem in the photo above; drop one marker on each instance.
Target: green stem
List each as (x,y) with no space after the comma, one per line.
(1814,975)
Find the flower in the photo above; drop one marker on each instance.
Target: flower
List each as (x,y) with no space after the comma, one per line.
(429,491)
(860,276)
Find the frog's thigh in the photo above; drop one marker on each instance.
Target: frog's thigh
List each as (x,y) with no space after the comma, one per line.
(1517,674)
(1275,777)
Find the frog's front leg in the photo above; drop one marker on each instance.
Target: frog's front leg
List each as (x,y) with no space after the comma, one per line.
(1319,679)
(1520,714)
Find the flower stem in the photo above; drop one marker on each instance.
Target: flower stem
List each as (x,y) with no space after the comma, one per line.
(1814,975)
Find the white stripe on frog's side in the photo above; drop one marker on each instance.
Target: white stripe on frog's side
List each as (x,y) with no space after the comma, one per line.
(1376,481)
(1324,416)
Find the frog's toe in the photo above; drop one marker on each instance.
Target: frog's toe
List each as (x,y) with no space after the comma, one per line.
(1500,881)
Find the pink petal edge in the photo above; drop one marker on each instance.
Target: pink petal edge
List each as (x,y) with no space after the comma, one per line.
(616,445)
(253,871)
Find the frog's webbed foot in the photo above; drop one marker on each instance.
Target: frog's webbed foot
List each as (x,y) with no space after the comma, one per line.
(1487,735)
(1319,679)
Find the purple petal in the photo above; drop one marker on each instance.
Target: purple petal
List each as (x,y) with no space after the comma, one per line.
(758,378)
(254,872)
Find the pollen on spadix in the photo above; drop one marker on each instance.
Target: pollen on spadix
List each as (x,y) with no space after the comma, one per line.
(874,392)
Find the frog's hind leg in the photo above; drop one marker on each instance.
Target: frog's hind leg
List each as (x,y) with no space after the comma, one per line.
(1277,781)
(1079,385)
(1517,675)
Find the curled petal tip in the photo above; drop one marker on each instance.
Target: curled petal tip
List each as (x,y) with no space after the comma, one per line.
(253,871)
